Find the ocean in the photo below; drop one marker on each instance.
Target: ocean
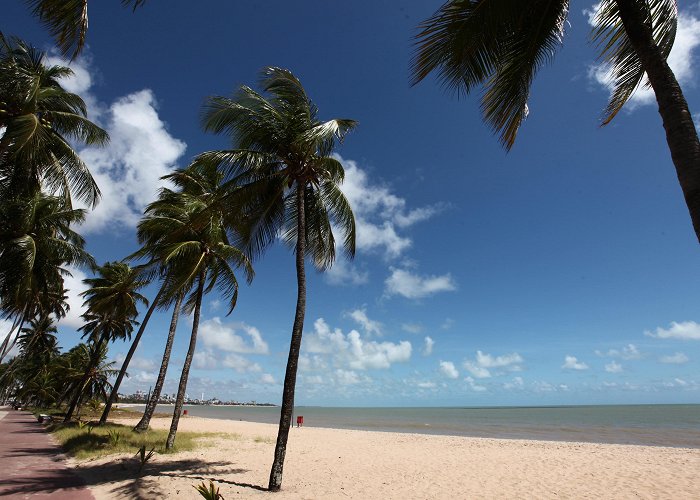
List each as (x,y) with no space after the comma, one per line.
(656,425)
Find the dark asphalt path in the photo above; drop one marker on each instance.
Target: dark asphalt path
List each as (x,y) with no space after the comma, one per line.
(31,464)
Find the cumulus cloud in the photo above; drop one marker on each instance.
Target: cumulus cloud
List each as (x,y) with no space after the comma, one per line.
(483,364)
(369,326)
(630,351)
(140,152)
(447,368)
(266,378)
(613,367)
(516,383)
(379,213)
(426,385)
(346,377)
(412,286)
(345,272)
(572,363)
(685,330)
(240,364)
(227,337)
(678,358)
(138,363)
(352,351)
(428,344)
(680,60)
(473,385)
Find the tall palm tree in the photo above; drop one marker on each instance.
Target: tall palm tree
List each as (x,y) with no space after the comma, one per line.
(185,236)
(500,46)
(41,119)
(112,302)
(36,243)
(205,184)
(86,371)
(67,21)
(289,186)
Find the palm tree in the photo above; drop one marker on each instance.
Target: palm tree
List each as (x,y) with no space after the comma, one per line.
(289,186)
(86,371)
(36,243)
(67,21)
(185,233)
(501,45)
(112,301)
(41,119)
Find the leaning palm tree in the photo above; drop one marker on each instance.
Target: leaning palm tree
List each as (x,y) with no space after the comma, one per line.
(500,45)
(36,243)
(67,21)
(289,186)
(41,119)
(112,302)
(205,185)
(185,235)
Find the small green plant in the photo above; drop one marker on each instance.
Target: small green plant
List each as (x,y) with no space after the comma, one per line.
(81,424)
(94,404)
(144,456)
(209,492)
(114,437)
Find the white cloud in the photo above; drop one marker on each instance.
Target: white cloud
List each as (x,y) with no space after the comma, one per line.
(352,351)
(346,377)
(427,385)
(217,335)
(628,352)
(482,365)
(412,328)
(447,368)
(379,213)
(517,383)
(680,60)
(685,330)
(128,170)
(138,363)
(266,378)
(613,367)
(240,364)
(74,287)
(476,370)
(488,361)
(447,324)
(473,385)
(572,363)
(403,282)
(140,152)
(678,358)
(344,272)
(369,326)
(428,345)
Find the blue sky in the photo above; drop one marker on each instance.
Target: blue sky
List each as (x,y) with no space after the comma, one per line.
(563,272)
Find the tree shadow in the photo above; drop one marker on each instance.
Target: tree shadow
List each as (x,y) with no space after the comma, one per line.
(136,483)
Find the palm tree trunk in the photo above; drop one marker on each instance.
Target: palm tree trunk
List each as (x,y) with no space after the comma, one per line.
(94,358)
(115,389)
(179,401)
(681,136)
(155,395)
(7,348)
(290,377)
(4,349)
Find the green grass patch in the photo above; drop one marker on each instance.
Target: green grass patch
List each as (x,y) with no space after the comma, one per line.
(87,413)
(263,439)
(109,439)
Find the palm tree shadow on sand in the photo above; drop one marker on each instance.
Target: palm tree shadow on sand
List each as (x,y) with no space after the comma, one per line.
(144,485)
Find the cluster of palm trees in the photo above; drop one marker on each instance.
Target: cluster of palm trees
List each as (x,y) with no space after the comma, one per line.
(279,182)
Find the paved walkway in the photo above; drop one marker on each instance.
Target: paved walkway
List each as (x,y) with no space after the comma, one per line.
(31,465)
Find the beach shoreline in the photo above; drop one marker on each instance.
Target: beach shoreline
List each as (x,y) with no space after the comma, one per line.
(343,463)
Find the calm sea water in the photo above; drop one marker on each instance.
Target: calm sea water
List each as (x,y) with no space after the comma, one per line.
(659,425)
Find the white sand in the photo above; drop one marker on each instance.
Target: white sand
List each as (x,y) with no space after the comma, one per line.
(332,463)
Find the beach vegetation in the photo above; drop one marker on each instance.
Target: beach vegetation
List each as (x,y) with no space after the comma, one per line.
(209,491)
(499,46)
(283,160)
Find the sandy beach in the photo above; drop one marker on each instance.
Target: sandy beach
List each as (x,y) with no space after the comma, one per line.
(331,463)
